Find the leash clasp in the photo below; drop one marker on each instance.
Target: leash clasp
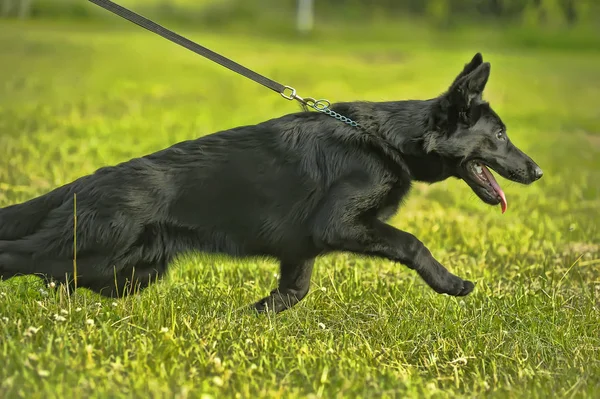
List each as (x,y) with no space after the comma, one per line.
(289,93)
(322,105)
(291,96)
(319,105)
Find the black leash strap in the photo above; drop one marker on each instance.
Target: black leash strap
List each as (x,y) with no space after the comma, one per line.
(287,92)
(190,45)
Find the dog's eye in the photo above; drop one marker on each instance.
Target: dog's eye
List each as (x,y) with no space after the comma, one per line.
(500,136)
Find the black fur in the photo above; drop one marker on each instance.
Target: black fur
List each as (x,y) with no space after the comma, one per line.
(292,188)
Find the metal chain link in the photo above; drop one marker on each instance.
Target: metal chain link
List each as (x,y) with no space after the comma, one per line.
(318,105)
(339,117)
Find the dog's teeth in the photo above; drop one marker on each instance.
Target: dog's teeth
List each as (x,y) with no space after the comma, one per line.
(478,169)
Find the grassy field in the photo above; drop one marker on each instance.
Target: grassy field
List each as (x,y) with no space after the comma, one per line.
(75,98)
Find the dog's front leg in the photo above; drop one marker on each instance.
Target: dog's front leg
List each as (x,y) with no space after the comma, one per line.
(294,282)
(348,221)
(376,238)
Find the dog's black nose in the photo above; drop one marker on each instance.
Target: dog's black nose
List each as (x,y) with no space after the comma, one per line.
(538,172)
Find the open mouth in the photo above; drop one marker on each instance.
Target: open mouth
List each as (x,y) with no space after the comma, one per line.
(482,176)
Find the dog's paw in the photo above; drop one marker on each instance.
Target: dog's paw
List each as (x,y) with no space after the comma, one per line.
(467,288)
(448,283)
(444,282)
(267,305)
(455,286)
(261,307)
(275,303)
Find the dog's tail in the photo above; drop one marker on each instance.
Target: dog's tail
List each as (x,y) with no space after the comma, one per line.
(20,220)
(17,223)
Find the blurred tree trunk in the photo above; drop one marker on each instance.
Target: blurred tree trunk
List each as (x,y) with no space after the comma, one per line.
(20,8)
(305,18)
(6,7)
(25,8)
(571,12)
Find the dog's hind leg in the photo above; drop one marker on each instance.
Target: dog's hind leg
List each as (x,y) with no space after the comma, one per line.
(294,283)
(126,281)
(14,264)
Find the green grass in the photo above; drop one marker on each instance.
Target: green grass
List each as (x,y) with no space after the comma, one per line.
(75,98)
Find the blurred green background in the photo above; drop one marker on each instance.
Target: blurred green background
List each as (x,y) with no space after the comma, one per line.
(81,88)
(534,19)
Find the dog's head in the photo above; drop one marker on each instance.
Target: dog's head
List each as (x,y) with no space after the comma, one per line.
(474,138)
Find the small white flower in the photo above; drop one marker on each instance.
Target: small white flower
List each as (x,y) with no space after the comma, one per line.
(321,325)
(51,284)
(58,317)
(5,319)
(3,294)
(89,322)
(43,373)
(98,304)
(78,310)
(164,330)
(248,341)
(43,292)
(324,289)
(115,304)
(253,366)
(217,361)
(64,311)
(218,381)
(33,330)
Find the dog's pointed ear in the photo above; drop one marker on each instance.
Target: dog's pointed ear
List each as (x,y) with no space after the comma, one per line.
(470,67)
(471,86)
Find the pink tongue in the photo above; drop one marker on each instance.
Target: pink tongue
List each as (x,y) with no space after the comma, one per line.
(496,187)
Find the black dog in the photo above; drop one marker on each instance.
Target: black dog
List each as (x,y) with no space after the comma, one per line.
(291,188)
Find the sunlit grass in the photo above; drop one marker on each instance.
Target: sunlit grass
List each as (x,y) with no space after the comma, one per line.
(73,100)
